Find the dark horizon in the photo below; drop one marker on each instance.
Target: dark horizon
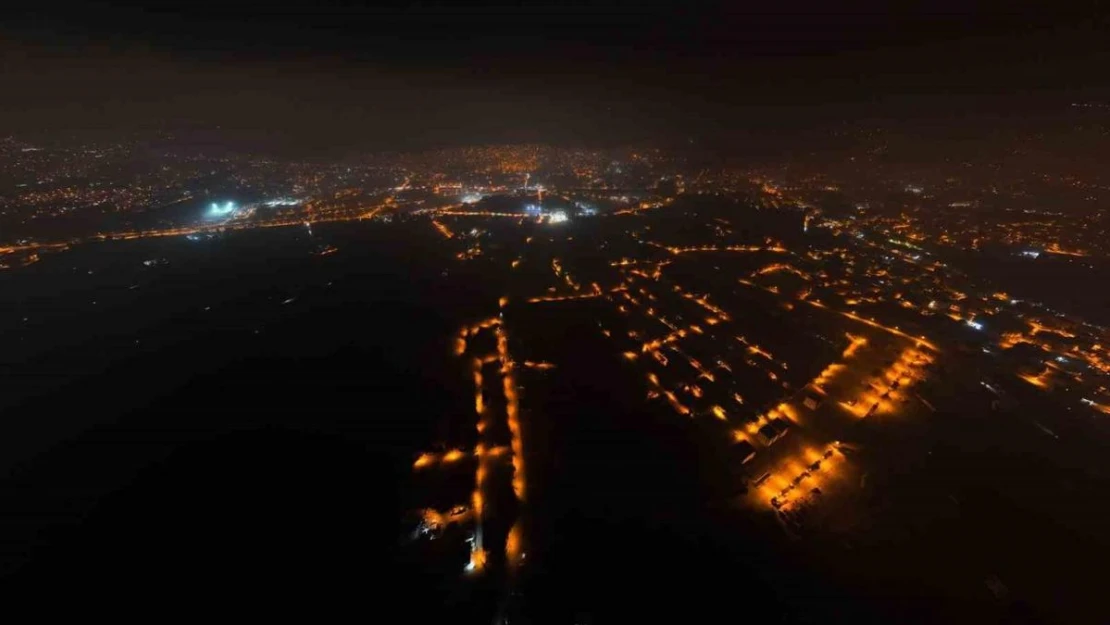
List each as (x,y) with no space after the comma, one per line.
(343,79)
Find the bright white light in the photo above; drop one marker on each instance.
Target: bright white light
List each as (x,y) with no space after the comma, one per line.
(220,211)
(975,324)
(471,198)
(557,217)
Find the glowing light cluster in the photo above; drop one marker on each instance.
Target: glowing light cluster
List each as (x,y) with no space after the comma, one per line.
(1040,380)
(282,201)
(217,210)
(856,342)
(561,298)
(781,267)
(809,470)
(896,379)
(718,248)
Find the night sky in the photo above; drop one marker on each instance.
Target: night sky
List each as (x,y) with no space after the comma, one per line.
(343,76)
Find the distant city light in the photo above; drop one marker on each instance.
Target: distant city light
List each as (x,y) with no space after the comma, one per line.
(471,198)
(1031,253)
(282,201)
(557,217)
(975,324)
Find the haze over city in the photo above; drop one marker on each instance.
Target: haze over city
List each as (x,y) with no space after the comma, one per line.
(558,314)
